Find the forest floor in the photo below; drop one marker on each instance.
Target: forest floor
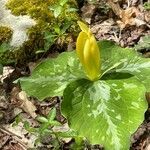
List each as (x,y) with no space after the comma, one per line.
(127,24)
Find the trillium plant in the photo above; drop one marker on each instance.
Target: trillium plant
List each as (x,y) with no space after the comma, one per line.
(103,88)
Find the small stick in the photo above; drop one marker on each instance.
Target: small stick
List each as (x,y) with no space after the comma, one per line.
(15,136)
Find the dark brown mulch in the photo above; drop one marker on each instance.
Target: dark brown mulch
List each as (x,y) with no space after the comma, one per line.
(103,22)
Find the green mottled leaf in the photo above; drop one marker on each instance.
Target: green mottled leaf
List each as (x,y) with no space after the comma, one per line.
(125,60)
(105,112)
(113,55)
(140,67)
(51,76)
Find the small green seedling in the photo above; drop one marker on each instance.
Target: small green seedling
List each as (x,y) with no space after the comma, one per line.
(58,33)
(103,88)
(143,44)
(4,49)
(147,5)
(45,128)
(60,8)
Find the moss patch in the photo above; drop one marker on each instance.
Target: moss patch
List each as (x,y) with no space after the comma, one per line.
(46,23)
(5,34)
(39,10)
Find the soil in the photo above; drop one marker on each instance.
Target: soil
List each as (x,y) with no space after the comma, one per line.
(105,23)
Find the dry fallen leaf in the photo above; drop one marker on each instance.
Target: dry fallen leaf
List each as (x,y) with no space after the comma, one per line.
(27,105)
(19,134)
(129,16)
(147,16)
(6,72)
(87,12)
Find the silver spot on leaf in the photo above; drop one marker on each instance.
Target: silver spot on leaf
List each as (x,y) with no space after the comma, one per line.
(118,117)
(135,104)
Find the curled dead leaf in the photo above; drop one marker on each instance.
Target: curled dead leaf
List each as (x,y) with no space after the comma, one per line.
(129,16)
(27,105)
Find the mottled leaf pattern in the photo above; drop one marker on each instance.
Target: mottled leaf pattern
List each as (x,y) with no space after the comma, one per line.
(105,112)
(117,59)
(51,76)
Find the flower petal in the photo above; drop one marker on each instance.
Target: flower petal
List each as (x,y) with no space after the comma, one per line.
(82,37)
(83,27)
(88,52)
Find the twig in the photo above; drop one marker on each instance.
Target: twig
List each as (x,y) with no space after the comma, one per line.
(129,3)
(15,136)
(115,7)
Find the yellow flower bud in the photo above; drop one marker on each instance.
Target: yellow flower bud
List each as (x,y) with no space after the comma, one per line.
(88,52)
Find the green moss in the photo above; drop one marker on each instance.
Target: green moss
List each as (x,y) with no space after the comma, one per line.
(6,56)
(24,6)
(38,9)
(46,22)
(5,34)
